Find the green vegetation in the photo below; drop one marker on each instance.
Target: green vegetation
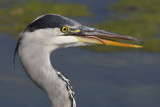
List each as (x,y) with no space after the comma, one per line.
(137,18)
(18,14)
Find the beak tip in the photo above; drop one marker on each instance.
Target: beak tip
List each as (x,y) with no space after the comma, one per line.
(140,41)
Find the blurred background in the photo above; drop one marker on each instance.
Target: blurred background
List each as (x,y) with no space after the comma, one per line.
(101,76)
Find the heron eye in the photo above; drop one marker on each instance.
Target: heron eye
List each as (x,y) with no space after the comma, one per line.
(64,29)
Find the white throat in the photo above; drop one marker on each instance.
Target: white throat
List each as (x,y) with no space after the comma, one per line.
(35,59)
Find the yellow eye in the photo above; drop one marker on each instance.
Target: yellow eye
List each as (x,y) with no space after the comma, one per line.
(64,29)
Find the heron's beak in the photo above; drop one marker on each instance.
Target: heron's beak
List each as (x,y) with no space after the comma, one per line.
(91,35)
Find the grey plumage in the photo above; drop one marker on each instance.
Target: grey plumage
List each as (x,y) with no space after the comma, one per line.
(36,61)
(44,35)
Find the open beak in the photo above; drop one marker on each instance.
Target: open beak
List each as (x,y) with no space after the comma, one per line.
(91,35)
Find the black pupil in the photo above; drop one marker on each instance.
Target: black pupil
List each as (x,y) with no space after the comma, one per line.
(65,29)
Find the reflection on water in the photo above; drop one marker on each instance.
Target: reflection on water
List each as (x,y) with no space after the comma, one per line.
(122,79)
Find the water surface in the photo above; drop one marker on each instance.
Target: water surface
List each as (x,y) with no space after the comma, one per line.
(121,79)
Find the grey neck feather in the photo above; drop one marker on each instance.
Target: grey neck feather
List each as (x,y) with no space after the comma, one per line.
(36,62)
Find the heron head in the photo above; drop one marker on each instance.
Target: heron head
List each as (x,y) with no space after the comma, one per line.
(55,30)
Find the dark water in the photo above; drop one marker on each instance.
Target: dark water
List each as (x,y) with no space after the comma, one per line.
(122,79)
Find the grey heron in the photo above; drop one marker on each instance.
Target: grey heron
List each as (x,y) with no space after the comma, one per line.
(44,35)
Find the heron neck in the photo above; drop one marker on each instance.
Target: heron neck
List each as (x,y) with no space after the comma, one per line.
(36,62)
